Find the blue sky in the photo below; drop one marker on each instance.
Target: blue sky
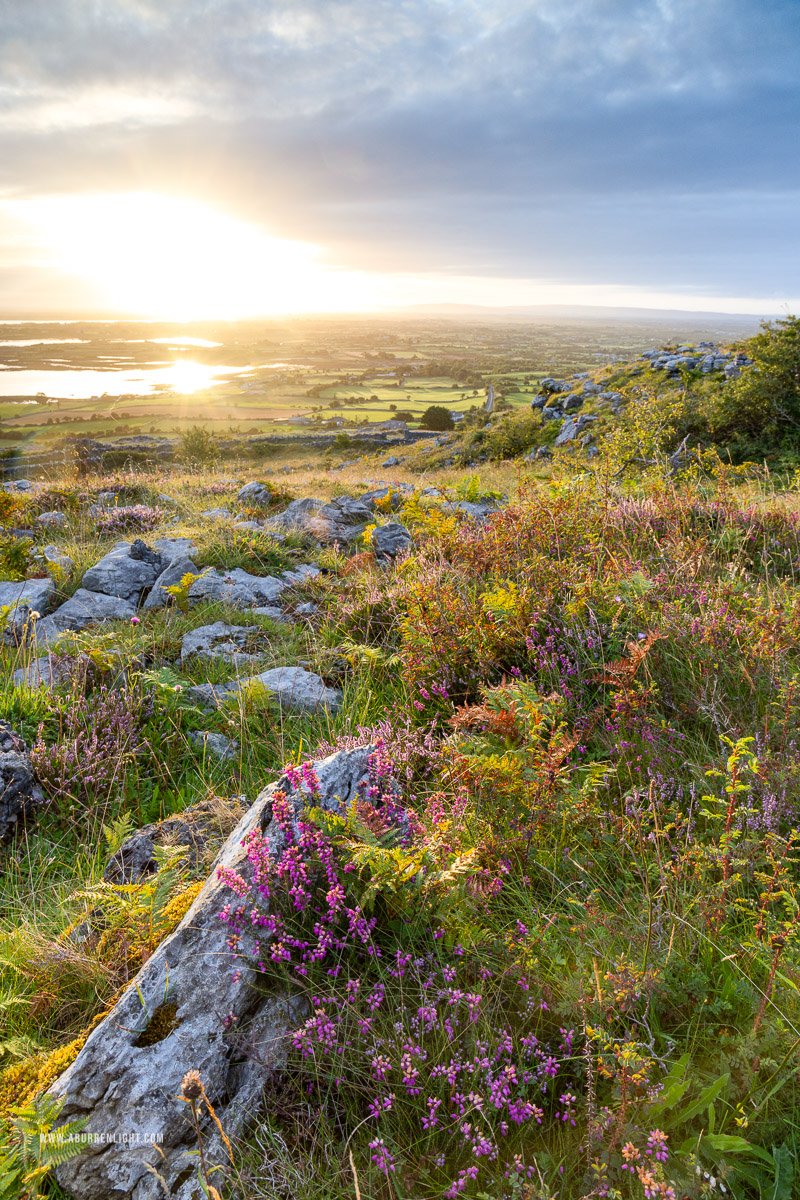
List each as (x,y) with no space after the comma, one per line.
(590,151)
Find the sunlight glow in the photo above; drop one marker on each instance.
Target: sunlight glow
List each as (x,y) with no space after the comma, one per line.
(164,257)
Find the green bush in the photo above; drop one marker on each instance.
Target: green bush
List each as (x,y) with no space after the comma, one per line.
(436,417)
(198,447)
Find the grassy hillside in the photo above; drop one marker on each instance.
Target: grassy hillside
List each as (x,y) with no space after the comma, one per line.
(556,953)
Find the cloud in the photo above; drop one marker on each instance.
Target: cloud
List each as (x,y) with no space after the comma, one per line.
(637,141)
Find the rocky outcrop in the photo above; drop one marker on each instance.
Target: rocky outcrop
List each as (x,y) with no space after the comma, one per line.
(187,1009)
(20,795)
(82,609)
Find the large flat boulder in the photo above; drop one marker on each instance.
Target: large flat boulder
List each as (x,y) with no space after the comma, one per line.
(293,687)
(128,1085)
(82,609)
(218,641)
(242,590)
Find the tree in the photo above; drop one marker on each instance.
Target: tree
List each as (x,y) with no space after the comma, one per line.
(436,417)
(758,411)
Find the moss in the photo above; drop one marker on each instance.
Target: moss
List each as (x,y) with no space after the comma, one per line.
(24,1080)
(160,1025)
(176,909)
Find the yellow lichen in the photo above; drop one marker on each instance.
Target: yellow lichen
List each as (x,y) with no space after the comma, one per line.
(22,1081)
(176,909)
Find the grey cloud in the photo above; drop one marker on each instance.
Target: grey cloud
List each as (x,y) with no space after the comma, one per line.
(517,136)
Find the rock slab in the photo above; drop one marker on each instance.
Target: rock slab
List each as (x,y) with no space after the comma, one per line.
(128,1091)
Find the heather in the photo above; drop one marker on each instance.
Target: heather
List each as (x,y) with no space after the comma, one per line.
(551,948)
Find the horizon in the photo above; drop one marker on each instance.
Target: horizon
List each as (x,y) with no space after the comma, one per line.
(276,160)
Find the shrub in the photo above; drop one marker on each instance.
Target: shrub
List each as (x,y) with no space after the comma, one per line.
(198,447)
(436,417)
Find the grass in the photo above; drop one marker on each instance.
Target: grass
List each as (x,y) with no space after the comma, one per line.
(585,942)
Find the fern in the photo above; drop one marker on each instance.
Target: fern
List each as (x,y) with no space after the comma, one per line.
(32,1147)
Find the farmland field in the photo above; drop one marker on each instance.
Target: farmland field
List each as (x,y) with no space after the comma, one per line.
(113,378)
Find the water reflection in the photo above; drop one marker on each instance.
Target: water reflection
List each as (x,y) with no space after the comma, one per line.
(184,378)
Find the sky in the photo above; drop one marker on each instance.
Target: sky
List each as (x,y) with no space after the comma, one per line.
(224,158)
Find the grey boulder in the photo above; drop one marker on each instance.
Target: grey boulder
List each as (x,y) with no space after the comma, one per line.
(128,1085)
(23,598)
(237,588)
(171,576)
(218,641)
(127,571)
(214,744)
(82,609)
(52,520)
(391,540)
(294,688)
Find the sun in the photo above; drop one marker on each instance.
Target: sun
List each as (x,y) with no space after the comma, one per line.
(166,257)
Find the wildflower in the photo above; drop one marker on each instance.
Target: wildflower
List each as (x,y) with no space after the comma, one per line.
(135,620)
(657,1145)
(191,1086)
(383,1157)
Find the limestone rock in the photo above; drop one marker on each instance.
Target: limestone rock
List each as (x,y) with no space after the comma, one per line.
(56,561)
(82,609)
(171,576)
(22,598)
(20,795)
(346,511)
(237,588)
(217,514)
(52,520)
(129,1090)
(293,687)
(270,610)
(204,642)
(170,548)
(215,744)
(256,494)
(128,570)
(390,540)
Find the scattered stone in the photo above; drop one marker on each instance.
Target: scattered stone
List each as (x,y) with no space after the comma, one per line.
(171,576)
(108,499)
(468,508)
(23,598)
(215,744)
(123,1082)
(42,672)
(20,795)
(293,687)
(162,498)
(128,570)
(256,494)
(52,520)
(391,540)
(198,829)
(176,547)
(272,611)
(372,499)
(392,461)
(204,642)
(217,514)
(54,559)
(20,485)
(305,610)
(82,609)
(237,588)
